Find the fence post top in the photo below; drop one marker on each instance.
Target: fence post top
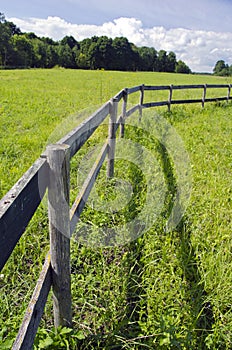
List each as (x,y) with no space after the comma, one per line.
(57,146)
(113,100)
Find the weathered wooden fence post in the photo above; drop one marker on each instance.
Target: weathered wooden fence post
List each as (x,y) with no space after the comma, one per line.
(59,227)
(204,96)
(124,106)
(228,95)
(141,102)
(170,98)
(112,137)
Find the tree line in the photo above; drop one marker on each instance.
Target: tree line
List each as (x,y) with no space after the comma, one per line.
(27,50)
(222,68)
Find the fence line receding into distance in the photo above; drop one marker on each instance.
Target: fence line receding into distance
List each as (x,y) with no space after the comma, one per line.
(48,173)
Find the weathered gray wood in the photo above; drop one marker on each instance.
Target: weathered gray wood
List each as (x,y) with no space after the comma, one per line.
(170,98)
(112,138)
(120,95)
(132,110)
(20,203)
(216,99)
(186,87)
(217,86)
(181,87)
(204,95)
(77,137)
(118,123)
(133,89)
(177,102)
(141,102)
(59,227)
(228,94)
(34,312)
(155,104)
(18,206)
(124,107)
(154,88)
(83,195)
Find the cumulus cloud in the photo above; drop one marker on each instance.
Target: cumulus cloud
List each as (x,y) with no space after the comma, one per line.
(199,49)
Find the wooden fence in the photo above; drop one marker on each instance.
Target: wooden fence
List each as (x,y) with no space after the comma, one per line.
(51,173)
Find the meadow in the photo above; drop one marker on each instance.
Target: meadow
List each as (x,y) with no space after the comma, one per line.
(163,290)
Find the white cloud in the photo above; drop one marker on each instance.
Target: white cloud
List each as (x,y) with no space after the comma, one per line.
(199,49)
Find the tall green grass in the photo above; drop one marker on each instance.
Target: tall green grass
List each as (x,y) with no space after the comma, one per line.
(34,102)
(164,290)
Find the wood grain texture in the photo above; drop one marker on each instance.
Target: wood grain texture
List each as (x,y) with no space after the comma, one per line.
(77,137)
(59,228)
(112,138)
(83,195)
(34,312)
(19,205)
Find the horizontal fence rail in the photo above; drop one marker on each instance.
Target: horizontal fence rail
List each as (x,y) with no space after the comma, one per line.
(83,195)
(171,88)
(34,312)
(18,206)
(76,138)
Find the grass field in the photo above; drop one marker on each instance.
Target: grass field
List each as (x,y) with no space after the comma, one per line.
(164,290)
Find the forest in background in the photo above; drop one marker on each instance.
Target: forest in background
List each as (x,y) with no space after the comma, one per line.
(27,50)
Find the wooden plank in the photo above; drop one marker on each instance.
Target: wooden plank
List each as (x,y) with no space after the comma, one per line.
(34,312)
(119,95)
(133,110)
(124,107)
(133,89)
(112,138)
(18,206)
(77,137)
(217,86)
(184,87)
(215,99)
(228,93)
(154,88)
(141,94)
(58,157)
(83,195)
(176,102)
(155,104)
(170,98)
(118,122)
(204,95)
(141,102)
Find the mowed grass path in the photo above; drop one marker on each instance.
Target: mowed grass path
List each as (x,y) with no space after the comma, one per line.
(162,291)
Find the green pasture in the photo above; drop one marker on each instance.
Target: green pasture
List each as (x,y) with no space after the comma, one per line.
(163,290)
(34,102)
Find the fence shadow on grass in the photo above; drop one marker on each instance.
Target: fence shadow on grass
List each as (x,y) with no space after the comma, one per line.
(201,309)
(119,326)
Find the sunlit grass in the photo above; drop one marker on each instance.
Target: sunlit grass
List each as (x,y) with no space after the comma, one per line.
(163,290)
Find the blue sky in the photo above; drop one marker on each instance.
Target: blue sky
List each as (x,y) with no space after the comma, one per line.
(199,31)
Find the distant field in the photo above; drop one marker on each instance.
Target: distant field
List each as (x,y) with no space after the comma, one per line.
(165,290)
(34,102)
